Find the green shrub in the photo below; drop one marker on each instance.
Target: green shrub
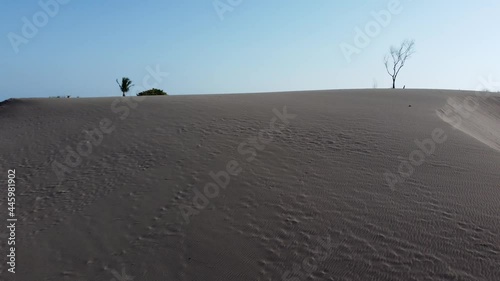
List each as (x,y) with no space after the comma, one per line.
(152,92)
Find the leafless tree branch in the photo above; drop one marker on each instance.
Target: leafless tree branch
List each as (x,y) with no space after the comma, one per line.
(398,59)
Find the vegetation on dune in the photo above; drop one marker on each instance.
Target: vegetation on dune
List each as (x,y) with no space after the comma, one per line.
(397,58)
(59,97)
(152,92)
(125,85)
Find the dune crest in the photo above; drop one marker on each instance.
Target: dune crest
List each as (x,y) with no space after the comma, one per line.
(479,117)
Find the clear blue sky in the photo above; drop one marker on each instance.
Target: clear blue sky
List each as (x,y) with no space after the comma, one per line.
(260,45)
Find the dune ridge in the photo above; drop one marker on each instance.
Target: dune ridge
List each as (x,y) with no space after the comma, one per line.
(477,116)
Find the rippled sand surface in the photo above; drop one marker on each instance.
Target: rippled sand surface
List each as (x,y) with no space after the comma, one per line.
(320,185)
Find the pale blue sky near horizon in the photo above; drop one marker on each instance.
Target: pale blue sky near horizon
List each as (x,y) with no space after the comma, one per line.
(259,46)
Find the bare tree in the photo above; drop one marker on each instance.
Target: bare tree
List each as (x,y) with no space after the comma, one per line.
(397,58)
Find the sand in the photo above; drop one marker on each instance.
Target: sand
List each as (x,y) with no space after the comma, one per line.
(320,185)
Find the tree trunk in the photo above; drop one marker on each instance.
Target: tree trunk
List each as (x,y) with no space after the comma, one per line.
(123,93)
(393,83)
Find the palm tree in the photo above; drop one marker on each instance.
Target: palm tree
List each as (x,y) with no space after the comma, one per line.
(125,85)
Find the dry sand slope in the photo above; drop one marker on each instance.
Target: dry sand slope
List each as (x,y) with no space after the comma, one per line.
(343,185)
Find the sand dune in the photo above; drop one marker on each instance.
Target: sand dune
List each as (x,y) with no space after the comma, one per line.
(475,115)
(320,185)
